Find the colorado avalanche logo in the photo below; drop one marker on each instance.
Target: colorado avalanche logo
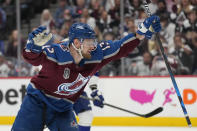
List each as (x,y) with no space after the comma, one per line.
(72,88)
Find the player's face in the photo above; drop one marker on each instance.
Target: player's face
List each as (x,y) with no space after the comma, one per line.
(89,45)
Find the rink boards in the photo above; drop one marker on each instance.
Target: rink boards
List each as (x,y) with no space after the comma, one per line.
(137,94)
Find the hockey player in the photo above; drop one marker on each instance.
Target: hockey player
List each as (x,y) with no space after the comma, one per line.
(82,107)
(66,69)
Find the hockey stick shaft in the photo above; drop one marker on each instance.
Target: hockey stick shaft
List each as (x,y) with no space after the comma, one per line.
(169,70)
(154,112)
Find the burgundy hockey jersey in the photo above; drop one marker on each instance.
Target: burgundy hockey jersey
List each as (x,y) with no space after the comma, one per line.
(60,77)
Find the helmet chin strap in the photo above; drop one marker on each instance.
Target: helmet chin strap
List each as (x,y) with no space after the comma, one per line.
(78,50)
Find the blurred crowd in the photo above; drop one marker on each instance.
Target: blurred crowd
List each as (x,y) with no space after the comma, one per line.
(179,32)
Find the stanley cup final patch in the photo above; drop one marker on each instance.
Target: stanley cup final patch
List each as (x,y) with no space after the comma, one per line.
(66,74)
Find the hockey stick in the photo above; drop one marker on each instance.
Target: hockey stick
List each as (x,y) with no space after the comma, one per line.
(169,69)
(152,113)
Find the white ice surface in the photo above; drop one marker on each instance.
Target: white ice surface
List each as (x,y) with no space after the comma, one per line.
(114,128)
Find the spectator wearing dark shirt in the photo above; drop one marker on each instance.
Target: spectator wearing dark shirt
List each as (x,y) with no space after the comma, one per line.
(194,67)
(162,8)
(134,6)
(105,22)
(95,9)
(190,27)
(184,53)
(2,23)
(13,44)
(114,12)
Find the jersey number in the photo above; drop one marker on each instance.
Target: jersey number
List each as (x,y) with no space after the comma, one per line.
(104,45)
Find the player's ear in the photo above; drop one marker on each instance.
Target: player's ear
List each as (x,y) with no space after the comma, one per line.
(76,43)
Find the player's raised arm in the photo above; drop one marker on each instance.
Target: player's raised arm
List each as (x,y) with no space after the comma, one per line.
(37,40)
(120,48)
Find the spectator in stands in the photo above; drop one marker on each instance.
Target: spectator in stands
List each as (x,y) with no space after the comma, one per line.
(184,53)
(89,20)
(162,8)
(80,5)
(59,13)
(127,17)
(114,12)
(2,24)
(170,4)
(8,7)
(86,18)
(194,2)
(65,28)
(142,68)
(141,17)
(135,7)
(185,6)
(192,16)
(4,68)
(168,30)
(95,9)
(108,4)
(187,23)
(47,20)
(130,25)
(108,36)
(104,23)
(2,19)
(13,44)
(26,10)
(159,66)
(153,47)
(190,25)
(194,68)
(153,6)
(67,15)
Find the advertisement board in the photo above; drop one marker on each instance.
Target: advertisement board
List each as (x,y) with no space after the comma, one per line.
(137,94)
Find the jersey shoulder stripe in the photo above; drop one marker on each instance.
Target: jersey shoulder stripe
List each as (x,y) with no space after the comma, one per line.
(58,53)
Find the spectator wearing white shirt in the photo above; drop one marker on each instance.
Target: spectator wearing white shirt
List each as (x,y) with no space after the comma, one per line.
(153,6)
(143,68)
(47,20)
(159,66)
